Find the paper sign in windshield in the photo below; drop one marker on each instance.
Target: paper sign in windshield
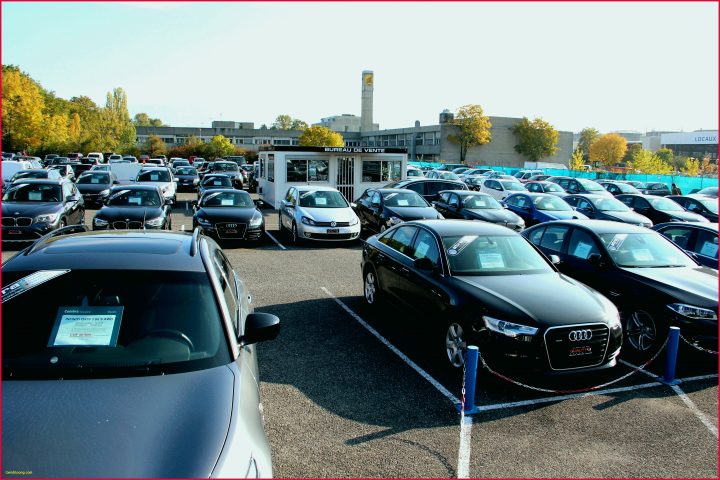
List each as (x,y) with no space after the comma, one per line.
(642,255)
(491,260)
(320,201)
(226,202)
(582,250)
(86,327)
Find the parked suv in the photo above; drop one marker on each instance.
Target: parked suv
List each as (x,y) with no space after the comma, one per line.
(162,350)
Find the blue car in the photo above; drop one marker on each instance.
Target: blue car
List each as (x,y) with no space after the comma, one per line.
(541,207)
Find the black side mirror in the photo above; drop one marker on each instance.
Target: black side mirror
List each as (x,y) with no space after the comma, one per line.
(115,182)
(168,201)
(259,203)
(260,327)
(596,260)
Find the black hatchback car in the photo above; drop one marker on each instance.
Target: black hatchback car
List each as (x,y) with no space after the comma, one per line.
(659,209)
(131,354)
(483,284)
(653,283)
(229,214)
(427,187)
(131,207)
(469,205)
(380,209)
(32,208)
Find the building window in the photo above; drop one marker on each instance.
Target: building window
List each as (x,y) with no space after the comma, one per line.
(271,168)
(307,170)
(279,141)
(381,170)
(295,142)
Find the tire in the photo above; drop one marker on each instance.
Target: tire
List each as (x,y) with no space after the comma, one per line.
(82,218)
(371,288)
(643,333)
(455,344)
(63,224)
(169,224)
(294,237)
(280,224)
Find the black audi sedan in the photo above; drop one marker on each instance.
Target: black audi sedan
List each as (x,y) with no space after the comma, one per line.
(698,239)
(659,209)
(380,209)
(134,207)
(187,178)
(483,284)
(229,214)
(471,205)
(131,355)
(32,208)
(653,283)
(214,181)
(95,186)
(601,207)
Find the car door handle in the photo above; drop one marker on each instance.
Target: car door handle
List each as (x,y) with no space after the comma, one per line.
(404,271)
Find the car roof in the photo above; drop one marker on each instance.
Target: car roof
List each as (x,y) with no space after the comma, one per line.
(705,225)
(391,190)
(316,188)
(449,227)
(597,226)
(225,189)
(467,193)
(589,196)
(44,181)
(93,250)
(135,186)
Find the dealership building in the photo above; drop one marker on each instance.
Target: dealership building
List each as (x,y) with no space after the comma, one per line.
(423,142)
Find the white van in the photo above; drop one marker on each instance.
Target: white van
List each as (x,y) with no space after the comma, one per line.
(10,168)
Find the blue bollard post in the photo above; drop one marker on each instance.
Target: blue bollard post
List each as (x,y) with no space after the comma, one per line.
(471,363)
(671,356)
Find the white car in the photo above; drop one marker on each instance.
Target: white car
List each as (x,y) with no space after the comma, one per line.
(500,188)
(10,168)
(318,213)
(163,178)
(96,156)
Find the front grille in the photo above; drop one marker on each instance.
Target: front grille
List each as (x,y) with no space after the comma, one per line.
(24,221)
(222,230)
(127,225)
(564,354)
(17,222)
(332,236)
(328,224)
(8,222)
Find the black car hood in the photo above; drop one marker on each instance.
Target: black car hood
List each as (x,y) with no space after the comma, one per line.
(627,217)
(412,213)
(93,187)
(186,177)
(692,285)
(167,426)
(544,299)
(132,213)
(496,215)
(29,209)
(227,213)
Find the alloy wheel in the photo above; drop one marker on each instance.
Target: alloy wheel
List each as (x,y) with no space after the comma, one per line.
(294,233)
(370,288)
(455,345)
(640,330)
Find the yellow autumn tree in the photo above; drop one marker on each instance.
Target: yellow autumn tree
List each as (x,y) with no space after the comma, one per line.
(647,162)
(22,111)
(691,168)
(318,136)
(577,160)
(472,128)
(609,149)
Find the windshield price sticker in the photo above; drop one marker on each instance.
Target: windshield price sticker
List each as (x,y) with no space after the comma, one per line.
(86,327)
(491,260)
(226,202)
(642,255)
(31,281)
(460,245)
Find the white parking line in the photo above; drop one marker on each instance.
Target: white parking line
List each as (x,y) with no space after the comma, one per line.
(463,470)
(275,240)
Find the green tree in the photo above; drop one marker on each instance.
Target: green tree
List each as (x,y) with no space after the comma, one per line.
(298,124)
(691,168)
(55,132)
(609,149)
(144,120)
(22,111)
(155,146)
(587,138)
(221,146)
(632,149)
(577,160)
(318,136)
(647,162)
(537,139)
(119,129)
(282,122)
(472,128)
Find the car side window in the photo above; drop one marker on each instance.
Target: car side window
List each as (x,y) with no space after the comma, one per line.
(584,204)
(534,187)
(679,235)
(445,197)
(706,244)
(522,201)
(627,201)
(572,201)
(376,199)
(613,189)
(454,201)
(417,187)
(402,240)
(536,235)
(641,203)
(512,201)
(690,205)
(425,246)
(226,275)
(553,238)
(432,188)
(563,183)
(67,190)
(582,245)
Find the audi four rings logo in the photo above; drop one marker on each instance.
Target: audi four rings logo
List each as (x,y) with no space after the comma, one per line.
(232,225)
(580,335)
(332,224)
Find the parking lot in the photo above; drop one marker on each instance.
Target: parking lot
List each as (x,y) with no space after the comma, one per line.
(350,392)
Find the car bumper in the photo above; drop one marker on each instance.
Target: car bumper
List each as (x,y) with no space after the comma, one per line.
(27,234)
(328,234)
(242,233)
(187,185)
(125,226)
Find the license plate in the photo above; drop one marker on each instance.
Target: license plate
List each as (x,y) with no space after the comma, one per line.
(580,350)
(15,232)
(230,230)
(333,230)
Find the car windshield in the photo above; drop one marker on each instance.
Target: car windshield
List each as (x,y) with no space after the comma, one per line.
(644,250)
(665,204)
(492,255)
(710,204)
(186,171)
(110,324)
(610,205)
(322,199)
(511,185)
(480,202)
(153,176)
(217,182)
(29,174)
(551,203)
(590,186)
(552,187)
(247,168)
(227,199)
(134,198)
(33,192)
(404,199)
(626,188)
(104,168)
(95,178)
(225,167)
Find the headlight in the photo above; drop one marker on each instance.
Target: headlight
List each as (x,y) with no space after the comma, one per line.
(394,220)
(195,181)
(203,221)
(256,219)
(307,221)
(509,329)
(354,221)
(691,311)
(614,321)
(104,193)
(99,222)
(154,222)
(49,218)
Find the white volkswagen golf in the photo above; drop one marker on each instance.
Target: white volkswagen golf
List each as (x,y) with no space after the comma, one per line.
(318,213)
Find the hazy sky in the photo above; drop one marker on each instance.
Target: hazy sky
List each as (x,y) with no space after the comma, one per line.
(612,66)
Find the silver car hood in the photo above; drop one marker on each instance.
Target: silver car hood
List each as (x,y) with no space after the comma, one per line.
(328,214)
(168,426)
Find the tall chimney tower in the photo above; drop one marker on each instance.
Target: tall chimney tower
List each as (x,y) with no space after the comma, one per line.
(366,112)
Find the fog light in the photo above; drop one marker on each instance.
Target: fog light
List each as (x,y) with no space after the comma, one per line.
(308,234)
